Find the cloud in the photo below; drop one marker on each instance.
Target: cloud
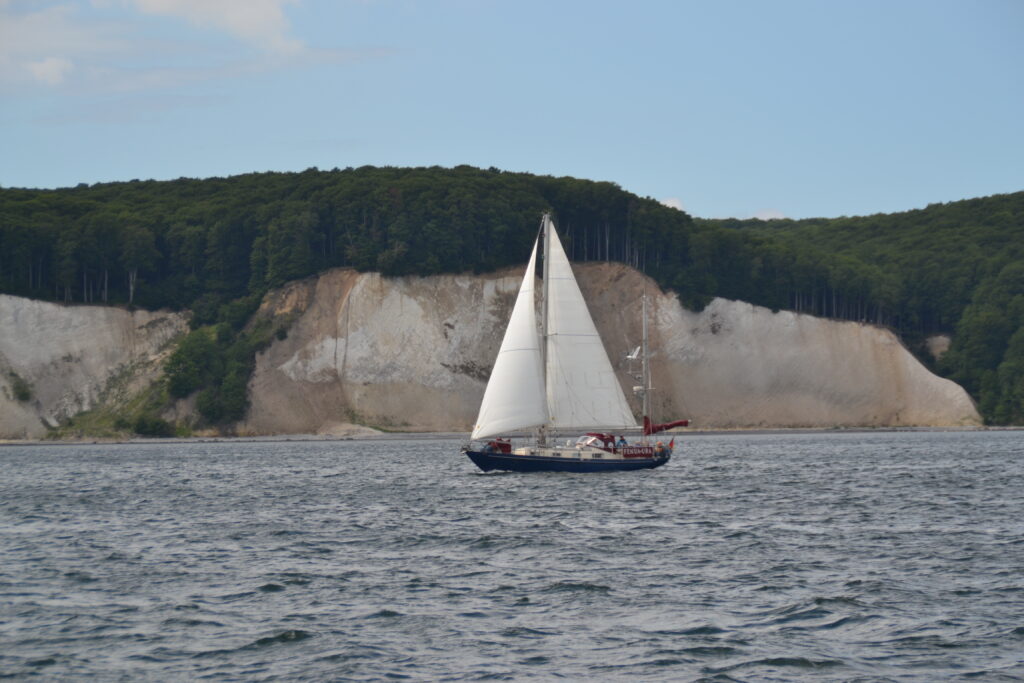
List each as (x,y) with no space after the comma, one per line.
(117,46)
(93,50)
(673,202)
(46,45)
(51,70)
(768,214)
(261,23)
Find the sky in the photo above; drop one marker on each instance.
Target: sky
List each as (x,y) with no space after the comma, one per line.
(728,108)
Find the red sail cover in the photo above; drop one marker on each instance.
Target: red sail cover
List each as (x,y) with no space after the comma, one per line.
(652,428)
(607,439)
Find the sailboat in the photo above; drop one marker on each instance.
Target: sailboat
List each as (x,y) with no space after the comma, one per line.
(559,379)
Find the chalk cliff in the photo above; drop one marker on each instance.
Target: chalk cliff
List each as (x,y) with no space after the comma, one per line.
(72,358)
(414,353)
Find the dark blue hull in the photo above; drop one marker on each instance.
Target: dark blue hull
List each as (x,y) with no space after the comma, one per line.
(539,463)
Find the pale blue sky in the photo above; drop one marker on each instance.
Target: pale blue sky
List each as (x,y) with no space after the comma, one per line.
(730,108)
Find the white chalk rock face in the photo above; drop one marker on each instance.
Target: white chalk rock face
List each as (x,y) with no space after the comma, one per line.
(400,353)
(414,353)
(74,357)
(409,353)
(747,366)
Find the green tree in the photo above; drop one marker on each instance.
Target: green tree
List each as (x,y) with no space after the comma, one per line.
(138,250)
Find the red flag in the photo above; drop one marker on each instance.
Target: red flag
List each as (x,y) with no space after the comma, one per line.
(672,443)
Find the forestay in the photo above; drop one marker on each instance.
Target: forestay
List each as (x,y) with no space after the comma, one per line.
(513,399)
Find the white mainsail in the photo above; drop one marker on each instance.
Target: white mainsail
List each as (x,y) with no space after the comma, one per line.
(582,389)
(513,399)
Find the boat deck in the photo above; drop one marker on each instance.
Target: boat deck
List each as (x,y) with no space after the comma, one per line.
(586,453)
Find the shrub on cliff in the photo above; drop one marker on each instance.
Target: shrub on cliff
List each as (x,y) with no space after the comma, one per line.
(22,389)
(148,425)
(217,361)
(195,363)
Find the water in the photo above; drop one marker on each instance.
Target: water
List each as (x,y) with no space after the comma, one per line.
(846,556)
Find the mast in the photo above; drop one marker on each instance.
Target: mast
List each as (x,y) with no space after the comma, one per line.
(646,362)
(582,390)
(542,431)
(645,365)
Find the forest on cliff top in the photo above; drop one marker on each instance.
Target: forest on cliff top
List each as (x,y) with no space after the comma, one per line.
(216,246)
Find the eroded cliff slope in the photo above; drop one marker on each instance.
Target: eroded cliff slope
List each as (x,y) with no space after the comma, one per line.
(71,358)
(414,354)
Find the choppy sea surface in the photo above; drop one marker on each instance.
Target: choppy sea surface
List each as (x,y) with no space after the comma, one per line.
(880,556)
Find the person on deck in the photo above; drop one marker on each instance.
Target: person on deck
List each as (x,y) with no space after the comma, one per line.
(621,443)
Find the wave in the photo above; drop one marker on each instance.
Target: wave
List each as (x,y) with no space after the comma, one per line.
(574,586)
(283,637)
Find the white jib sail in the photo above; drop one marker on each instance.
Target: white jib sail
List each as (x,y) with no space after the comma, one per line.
(582,389)
(514,397)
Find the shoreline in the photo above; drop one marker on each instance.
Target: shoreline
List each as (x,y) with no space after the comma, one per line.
(447,436)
